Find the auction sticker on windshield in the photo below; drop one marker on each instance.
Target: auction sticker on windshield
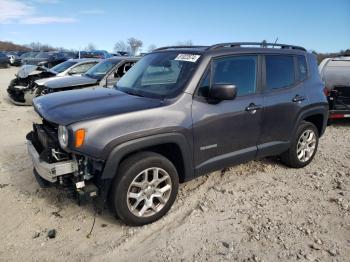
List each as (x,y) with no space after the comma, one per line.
(187,57)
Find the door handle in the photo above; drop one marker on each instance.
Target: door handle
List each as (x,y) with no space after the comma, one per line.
(298,98)
(252,108)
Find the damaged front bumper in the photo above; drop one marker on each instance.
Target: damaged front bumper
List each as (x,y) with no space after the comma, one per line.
(52,166)
(50,171)
(21,95)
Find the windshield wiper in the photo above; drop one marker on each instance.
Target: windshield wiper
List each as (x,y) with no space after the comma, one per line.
(132,93)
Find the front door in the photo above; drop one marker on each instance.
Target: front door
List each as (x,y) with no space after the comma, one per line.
(227,132)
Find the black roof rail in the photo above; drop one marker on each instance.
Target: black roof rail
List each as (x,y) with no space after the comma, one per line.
(260,44)
(180,46)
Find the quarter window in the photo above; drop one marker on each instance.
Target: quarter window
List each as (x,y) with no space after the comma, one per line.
(239,71)
(204,85)
(302,68)
(279,71)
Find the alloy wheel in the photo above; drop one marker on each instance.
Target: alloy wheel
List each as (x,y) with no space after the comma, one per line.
(149,192)
(306,145)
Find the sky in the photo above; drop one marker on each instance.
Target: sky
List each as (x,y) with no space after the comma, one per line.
(320,25)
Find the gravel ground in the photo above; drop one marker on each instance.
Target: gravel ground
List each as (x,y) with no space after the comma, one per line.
(259,211)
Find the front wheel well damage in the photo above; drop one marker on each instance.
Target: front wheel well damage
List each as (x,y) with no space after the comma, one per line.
(169,150)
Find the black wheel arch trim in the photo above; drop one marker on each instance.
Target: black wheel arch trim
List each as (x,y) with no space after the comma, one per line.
(321,109)
(128,147)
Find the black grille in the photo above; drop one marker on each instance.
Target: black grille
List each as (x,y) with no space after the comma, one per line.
(16,94)
(44,139)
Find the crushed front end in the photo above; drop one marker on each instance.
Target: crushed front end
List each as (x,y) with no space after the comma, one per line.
(75,173)
(23,89)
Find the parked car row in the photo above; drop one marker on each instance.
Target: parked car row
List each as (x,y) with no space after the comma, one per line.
(33,80)
(4,60)
(50,59)
(178,113)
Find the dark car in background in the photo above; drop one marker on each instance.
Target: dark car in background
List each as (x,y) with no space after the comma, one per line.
(22,89)
(95,54)
(4,60)
(49,59)
(27,55)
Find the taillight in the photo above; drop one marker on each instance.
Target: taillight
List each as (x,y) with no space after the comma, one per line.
(336,116)
(326,91)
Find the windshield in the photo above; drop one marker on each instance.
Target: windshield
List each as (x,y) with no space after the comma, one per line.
(101,69)
(43,55)
(160,75)
(63,66)
(27,55)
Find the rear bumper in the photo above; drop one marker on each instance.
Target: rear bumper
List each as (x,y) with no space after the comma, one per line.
(50,172)
(337,114)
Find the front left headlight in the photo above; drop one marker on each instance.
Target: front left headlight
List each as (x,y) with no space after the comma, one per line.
(63,136)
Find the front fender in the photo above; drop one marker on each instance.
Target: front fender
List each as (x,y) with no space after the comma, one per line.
(122,150)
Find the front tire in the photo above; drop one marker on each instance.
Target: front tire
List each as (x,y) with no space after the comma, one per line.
(145,188)
(303,147)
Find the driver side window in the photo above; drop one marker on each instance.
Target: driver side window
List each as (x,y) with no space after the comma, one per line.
(240,71)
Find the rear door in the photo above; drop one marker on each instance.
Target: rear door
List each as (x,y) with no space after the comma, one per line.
(284,97)
(227,132)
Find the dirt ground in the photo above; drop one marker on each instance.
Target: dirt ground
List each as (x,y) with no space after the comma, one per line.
(260,211)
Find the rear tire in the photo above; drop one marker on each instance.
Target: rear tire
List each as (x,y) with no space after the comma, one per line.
(144,189)
(303,146)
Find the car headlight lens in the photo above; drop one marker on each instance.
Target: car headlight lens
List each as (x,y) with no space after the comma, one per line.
(63,136)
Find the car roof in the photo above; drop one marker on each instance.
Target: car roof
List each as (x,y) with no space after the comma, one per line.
(123,58)
(79,60)
(341,58)
(237,47)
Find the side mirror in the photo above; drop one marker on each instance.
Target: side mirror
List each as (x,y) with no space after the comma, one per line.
(223,91)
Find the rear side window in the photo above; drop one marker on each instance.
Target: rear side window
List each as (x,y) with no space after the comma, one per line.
(237,70)
(302,68)
(279,71)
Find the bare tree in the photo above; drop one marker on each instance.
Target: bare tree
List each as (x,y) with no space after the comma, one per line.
(90,47)
(37,46)
(151,47)
(9,46)
(121,46)
(134,45)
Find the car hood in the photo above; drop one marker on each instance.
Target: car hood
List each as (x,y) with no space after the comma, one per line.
(27,70)
(67,81)
(68,107)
